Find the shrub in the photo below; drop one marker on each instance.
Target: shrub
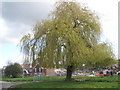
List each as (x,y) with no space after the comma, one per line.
(13,70)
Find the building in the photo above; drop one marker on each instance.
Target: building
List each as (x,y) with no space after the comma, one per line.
(30,70)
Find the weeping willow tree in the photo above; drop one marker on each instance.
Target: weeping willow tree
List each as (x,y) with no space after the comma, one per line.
(69,39)
(102,56)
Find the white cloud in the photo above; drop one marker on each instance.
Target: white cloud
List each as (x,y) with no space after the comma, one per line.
(3,28)
(12,32)
(46,1)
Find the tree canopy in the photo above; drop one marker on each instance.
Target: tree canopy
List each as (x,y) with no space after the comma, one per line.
(69,39)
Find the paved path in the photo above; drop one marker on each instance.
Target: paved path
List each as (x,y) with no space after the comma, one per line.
(9,84)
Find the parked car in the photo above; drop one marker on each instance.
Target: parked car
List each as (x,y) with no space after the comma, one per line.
(99,75)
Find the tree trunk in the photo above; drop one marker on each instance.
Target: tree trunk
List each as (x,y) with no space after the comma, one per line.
(69,73)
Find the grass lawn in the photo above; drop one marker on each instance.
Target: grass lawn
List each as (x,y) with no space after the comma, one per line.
(26,79)
(58,82)
(63,84)
(0,78)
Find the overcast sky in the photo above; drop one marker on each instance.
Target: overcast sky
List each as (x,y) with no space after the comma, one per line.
(18,18)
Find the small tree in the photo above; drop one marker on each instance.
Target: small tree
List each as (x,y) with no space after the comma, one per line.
(13,70)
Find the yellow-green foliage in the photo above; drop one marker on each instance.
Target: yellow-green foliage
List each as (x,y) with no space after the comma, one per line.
(70,37)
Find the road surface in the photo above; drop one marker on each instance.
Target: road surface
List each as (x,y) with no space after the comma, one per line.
(4,85)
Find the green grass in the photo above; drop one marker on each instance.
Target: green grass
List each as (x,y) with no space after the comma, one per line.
(58,82)
(61,78)
(63,84)
(24,79)
(0,78)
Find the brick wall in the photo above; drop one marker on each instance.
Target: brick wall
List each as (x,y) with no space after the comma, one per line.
(50,72)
